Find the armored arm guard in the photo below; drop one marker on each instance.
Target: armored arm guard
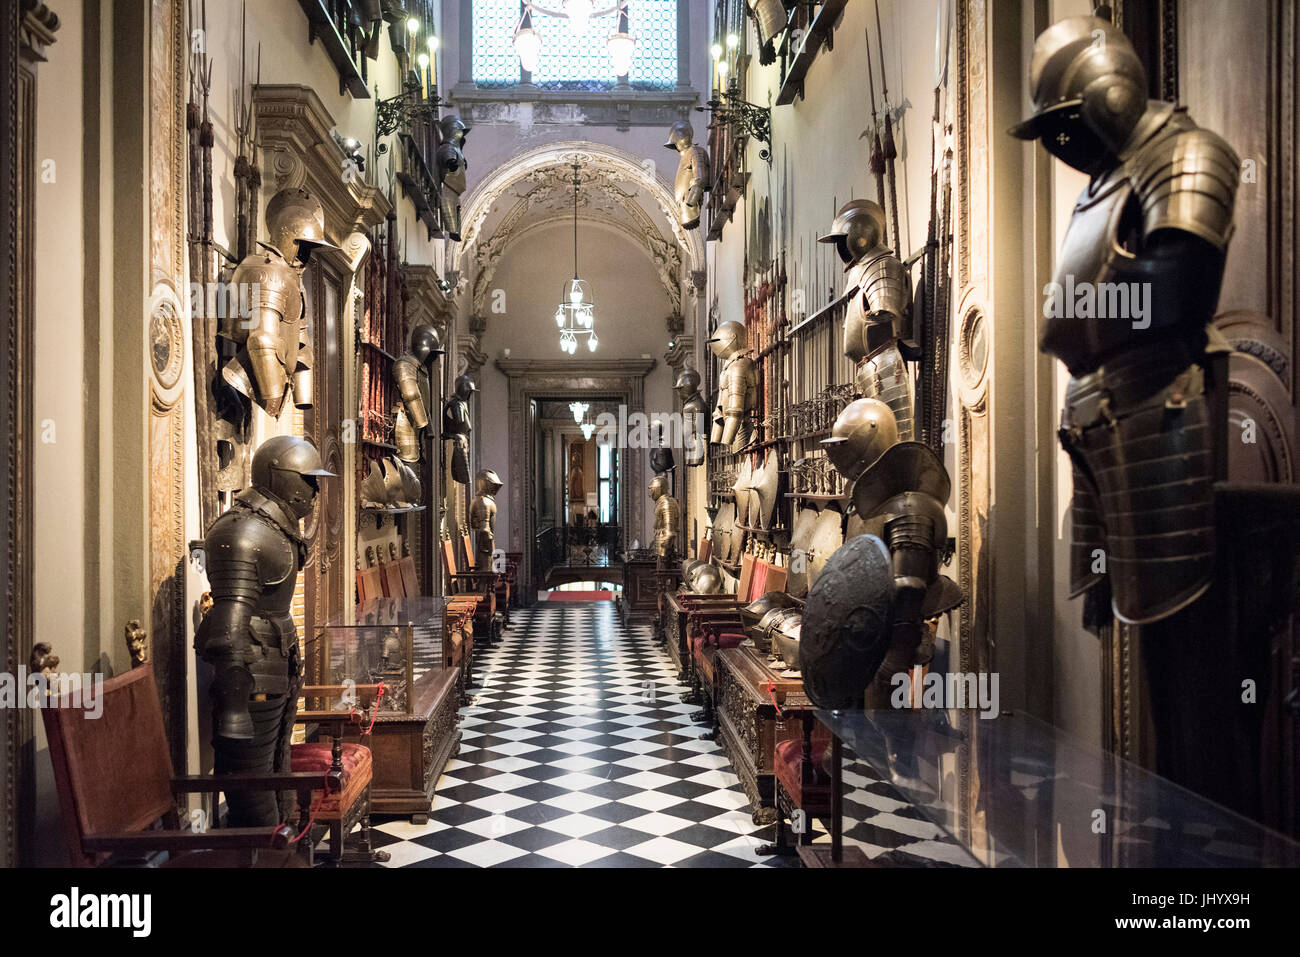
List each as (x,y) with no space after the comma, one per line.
(302,376)
(223,639)
(881,312)
(887,301)
(1188,182)
(699,164)
(406,375)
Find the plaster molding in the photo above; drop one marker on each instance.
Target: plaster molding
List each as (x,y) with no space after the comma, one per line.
(623,168)
(428,303)
(298,150)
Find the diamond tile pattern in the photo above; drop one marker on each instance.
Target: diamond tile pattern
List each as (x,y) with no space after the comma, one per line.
(578,752)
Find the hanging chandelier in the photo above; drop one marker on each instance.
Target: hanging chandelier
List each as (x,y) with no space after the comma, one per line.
(579,14)
(576,314)
(579,410)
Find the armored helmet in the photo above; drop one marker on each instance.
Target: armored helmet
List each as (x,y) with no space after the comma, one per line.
(753,613)
(487,482)
(661,460)
(706,580)
(861,433)
(425,343)
(859,227)
(296,216)
(1089,91)
(687,384)
(659,486)
(680,134)
(288,468)
(728,339)
(771,17)
(465,387)
(453,129)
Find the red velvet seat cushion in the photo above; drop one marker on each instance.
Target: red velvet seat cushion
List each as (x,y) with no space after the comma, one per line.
(787,765)
(730,639)
(357,770)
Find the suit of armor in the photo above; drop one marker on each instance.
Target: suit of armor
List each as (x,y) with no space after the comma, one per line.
(737,387)
(450,161)
(456,427)
(483,517)
(692,180)
(413,374)
(668,514)
(694,412)
(899,486)
(878,320)
(254,553)
(1137,284)
(275,352)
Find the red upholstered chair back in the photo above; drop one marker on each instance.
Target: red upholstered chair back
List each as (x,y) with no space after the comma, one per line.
(746,576)
(113,773)
(370,584)
(394,586)
(410,581)
(470,560)
(449,556)
(774,581)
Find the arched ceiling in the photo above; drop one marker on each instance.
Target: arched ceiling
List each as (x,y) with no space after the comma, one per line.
(616,189)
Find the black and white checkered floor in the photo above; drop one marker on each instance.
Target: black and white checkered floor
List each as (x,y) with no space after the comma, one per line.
(579,752)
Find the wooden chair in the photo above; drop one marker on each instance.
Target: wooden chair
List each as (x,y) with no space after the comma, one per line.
(349,765)
(802,785)
(719,626)
(514,561)
(458,643)
(118,791)
(500,586)
(410,581)
(477,586)
(370,583)
(394,582)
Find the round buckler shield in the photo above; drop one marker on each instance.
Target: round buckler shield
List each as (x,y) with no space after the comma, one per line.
(846,624)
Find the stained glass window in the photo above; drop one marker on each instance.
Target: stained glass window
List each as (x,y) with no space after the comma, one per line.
(567,62)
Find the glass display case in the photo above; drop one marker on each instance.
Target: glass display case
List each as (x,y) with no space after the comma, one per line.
(1016,792)
(393,642)
(417,649)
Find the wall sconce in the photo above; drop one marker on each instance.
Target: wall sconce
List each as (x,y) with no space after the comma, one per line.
(743,118)
(401,110)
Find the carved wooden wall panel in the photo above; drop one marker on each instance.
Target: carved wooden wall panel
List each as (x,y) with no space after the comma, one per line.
(1253,105)
(974,341)
(167,338)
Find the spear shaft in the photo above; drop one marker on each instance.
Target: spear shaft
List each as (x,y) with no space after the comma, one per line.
(891,150)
